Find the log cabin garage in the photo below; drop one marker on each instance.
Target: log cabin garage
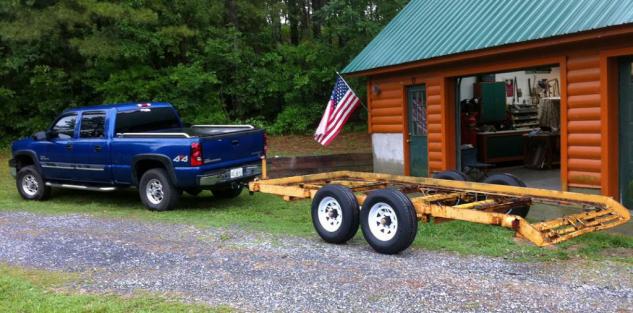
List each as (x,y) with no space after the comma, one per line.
(539,89)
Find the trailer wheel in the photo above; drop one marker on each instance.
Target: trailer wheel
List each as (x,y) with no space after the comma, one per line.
(451,175)
(388,221)
(509,180)
(335,214)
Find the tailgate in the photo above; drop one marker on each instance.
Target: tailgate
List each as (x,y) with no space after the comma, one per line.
(240,145)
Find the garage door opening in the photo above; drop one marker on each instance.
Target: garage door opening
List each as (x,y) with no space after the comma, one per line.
(510,122)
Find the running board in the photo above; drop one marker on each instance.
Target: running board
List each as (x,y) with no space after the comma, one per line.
(80,187)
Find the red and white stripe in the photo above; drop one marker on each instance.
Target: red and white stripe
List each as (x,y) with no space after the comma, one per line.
(333,120)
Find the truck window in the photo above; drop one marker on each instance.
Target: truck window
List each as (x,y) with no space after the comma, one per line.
(154,119)
(65,126)
(92,125)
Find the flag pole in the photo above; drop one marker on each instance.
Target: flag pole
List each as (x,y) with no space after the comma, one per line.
(361,102)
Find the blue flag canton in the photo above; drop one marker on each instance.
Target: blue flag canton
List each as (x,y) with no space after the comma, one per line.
(340,89)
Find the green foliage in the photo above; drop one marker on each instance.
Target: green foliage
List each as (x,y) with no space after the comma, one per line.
(272,62)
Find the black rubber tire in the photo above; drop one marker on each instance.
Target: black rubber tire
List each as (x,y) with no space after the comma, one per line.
(228,192)
(171,194)
(451,175)
(349,209)
(193,191)
(405,213)
(509,180)
(43,191)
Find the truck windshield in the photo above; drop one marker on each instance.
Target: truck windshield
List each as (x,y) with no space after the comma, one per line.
(154,119)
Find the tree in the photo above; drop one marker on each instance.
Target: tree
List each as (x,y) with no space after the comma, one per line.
(269,62)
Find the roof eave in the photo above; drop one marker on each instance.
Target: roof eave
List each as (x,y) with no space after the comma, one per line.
(626,29)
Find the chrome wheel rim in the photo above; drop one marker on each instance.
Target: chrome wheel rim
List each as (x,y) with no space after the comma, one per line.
(30,185)
(382,221)
(330,214)
(154,191)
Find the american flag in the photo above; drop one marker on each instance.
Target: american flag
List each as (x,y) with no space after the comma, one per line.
(343,102)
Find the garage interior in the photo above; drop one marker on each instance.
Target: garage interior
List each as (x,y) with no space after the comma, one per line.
(509,122)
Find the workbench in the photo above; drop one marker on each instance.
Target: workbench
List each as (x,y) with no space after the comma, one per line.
(501,146)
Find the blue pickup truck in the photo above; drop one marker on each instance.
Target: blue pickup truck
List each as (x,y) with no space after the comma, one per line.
(142,145)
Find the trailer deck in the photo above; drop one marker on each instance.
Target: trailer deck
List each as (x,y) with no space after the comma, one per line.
(440,200)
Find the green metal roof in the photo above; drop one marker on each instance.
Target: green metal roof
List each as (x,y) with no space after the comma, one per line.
(427,29)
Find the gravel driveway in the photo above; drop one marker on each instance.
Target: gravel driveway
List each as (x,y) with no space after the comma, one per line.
(258,272)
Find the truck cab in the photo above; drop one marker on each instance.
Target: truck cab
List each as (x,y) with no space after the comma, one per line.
(140,145)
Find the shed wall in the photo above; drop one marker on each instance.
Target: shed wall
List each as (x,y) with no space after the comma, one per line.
(585,149)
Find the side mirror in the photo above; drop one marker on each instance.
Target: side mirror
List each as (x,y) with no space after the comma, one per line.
(51,134)
(41,135)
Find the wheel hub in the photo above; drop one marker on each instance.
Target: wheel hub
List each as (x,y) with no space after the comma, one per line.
(30,185)
(330,214)
(154,191)
(382,221)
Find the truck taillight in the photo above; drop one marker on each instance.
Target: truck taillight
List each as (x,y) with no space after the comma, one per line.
(196,154)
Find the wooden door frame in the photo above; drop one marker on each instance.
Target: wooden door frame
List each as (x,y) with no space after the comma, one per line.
(449,95)
(609,108)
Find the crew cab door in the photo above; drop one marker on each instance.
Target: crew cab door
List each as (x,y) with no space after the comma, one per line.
(56,158)
(91,151)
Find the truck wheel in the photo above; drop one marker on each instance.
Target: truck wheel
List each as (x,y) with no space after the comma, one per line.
(193,191)
(157,191)
(31,184)
(509,180)
(388,221)
(335,214)
(229,192)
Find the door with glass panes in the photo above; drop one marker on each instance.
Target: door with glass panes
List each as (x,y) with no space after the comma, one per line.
(418,152)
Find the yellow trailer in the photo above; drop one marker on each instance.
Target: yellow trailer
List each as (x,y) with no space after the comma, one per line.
(388,207)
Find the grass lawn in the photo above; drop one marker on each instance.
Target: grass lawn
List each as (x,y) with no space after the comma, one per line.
(273,215)
(23,290)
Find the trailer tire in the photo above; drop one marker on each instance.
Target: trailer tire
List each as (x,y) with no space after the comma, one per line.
(451,175)
(509,180)
(388,221)
(335,214)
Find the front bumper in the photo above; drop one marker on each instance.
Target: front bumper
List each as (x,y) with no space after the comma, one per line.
(12,167)
(249,171)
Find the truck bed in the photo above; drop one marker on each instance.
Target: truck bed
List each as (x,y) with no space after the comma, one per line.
(199,131)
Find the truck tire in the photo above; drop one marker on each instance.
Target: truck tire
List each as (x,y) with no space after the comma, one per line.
(451,175)
(31,184)
(509,180)
(335,214)
(228,192)
(193,191)
(388,221)
(157,191)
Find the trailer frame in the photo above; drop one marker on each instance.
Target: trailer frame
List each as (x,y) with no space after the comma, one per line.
(440,200)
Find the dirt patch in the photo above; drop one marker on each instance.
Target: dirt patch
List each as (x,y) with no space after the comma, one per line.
(294,145)
(618,252)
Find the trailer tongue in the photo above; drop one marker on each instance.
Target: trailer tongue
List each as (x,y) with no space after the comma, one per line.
(391,205)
